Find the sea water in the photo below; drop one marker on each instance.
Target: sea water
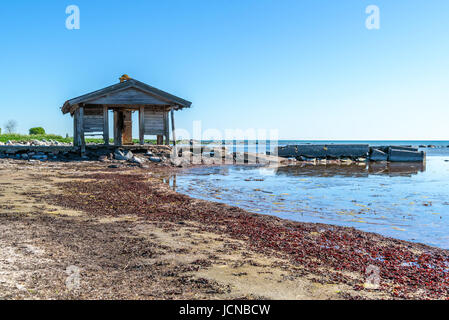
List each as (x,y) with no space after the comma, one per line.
(404,201)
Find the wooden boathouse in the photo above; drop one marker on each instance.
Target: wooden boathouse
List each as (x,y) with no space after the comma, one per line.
(90,113)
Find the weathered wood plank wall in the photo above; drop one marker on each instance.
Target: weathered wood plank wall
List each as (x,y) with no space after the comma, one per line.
(128,97)
(154,122)
(93,119)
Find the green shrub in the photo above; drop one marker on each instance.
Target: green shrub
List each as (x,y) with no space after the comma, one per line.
(37,130)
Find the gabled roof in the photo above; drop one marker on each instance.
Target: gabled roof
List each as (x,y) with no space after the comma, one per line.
(178,103)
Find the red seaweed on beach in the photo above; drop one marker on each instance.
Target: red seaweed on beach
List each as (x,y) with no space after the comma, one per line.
(406,270)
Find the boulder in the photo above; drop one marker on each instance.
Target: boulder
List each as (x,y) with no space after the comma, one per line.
(210,161)
(186,154)
(155,159)
(137,160)
(129,155)
(180,162)
(196,159)
(121,155)
(41,157)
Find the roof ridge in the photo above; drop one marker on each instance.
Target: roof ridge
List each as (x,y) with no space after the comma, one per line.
(73,103)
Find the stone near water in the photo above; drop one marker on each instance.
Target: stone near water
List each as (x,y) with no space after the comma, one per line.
(120,155)
(137,160)
(155,159)
(41,157)
(129,155)
(207,161)
(180,162)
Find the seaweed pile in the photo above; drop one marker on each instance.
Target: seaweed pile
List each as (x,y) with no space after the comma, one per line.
(336,254)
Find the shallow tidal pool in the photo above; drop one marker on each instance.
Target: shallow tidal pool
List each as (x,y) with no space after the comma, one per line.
(404,201)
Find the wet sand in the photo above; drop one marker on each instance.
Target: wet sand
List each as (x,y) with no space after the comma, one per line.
(132,237)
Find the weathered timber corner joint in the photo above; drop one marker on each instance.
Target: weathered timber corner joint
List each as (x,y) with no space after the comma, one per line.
(90,113)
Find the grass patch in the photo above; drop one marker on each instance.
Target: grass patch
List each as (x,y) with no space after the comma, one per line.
(25,137)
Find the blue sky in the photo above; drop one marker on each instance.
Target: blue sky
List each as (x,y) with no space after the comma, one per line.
(308,68)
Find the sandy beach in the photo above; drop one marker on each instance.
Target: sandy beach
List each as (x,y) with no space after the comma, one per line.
(131,237)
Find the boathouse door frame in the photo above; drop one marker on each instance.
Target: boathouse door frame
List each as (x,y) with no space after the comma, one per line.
(152,120)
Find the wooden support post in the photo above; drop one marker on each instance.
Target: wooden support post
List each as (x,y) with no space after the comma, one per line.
(142,125)
(75,129)
(117,129)
(172,113)
(81,128)
(166,129)
(105,125)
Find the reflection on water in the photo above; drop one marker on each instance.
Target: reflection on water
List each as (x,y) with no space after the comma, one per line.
(406,201)
(353,170)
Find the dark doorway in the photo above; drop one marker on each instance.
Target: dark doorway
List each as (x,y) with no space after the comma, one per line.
(123,127)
